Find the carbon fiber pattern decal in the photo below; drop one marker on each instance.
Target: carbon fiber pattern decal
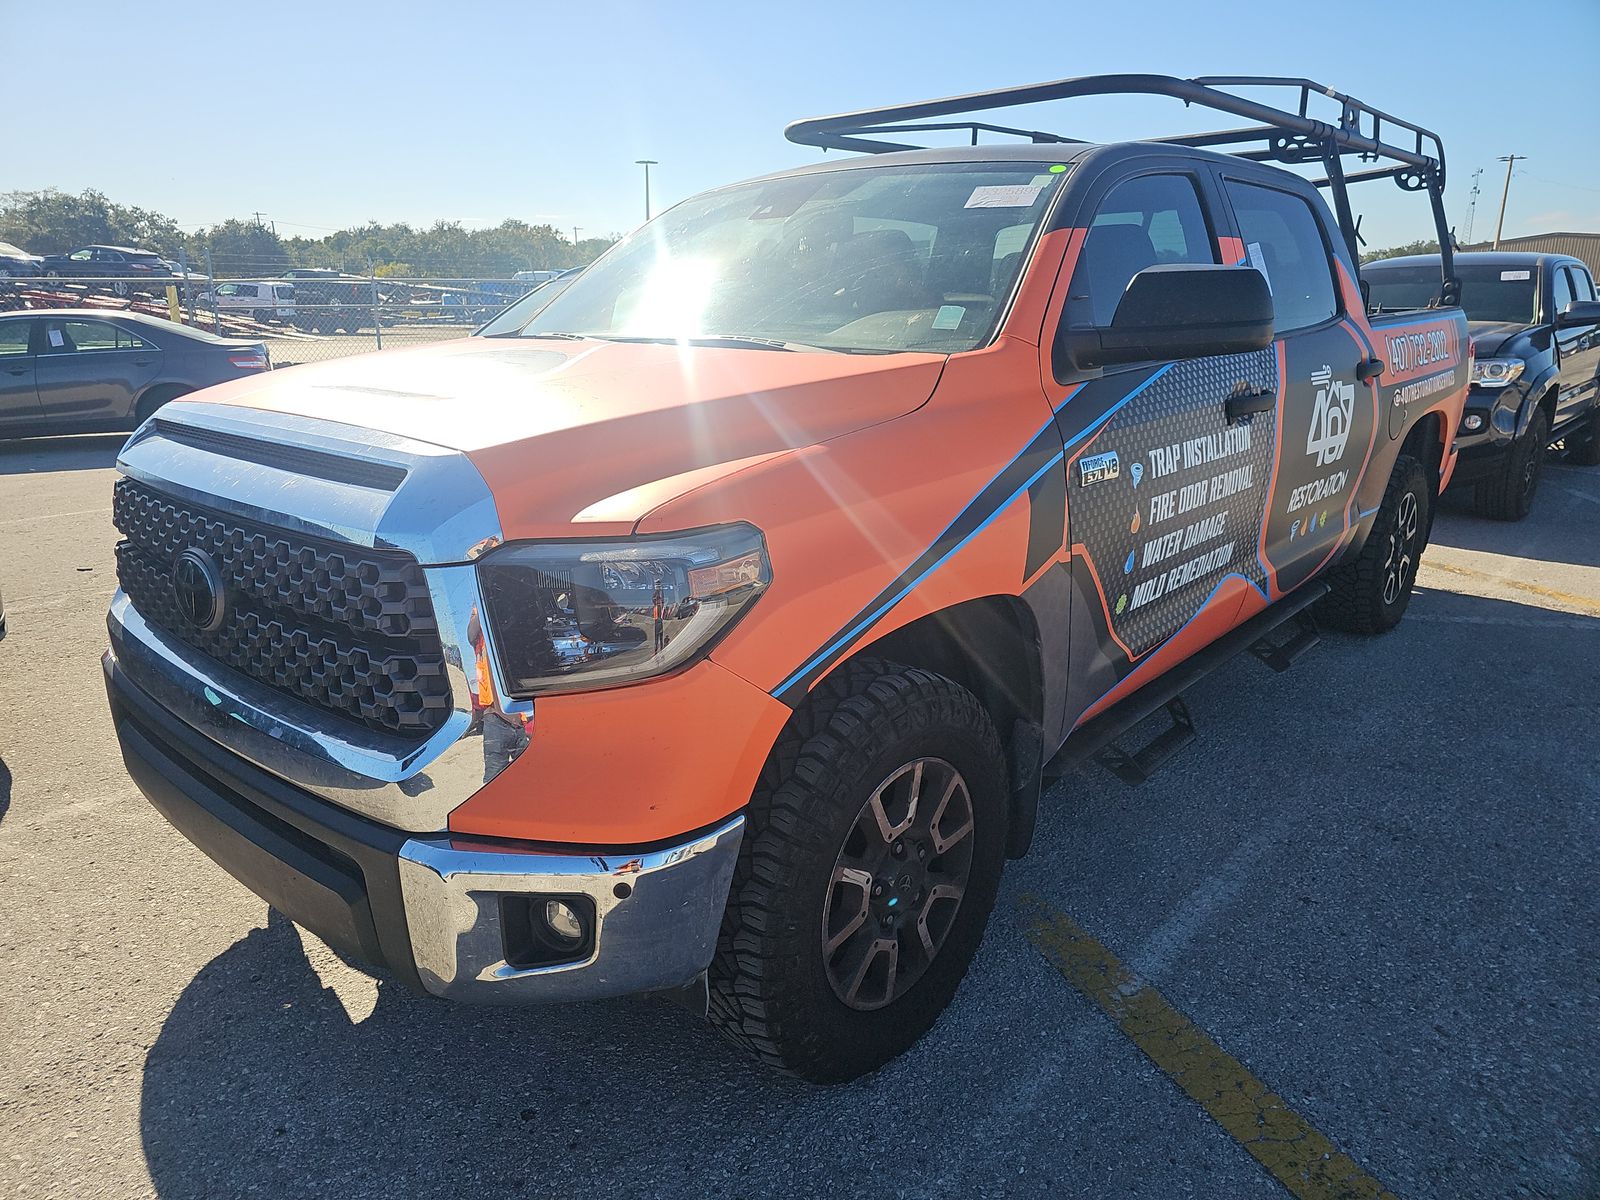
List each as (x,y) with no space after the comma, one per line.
(1187,503)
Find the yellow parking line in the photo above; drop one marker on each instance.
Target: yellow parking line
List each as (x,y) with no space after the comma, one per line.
(1586,603)
(1276,1136)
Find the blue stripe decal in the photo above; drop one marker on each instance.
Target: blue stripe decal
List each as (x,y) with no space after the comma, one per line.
(1101,420)
(1145,657)
(1362,516)
(868,621)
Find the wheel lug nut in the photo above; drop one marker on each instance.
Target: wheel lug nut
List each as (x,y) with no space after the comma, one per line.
(877,889)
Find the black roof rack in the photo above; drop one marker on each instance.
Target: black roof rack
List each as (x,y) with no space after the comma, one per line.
(1403,151)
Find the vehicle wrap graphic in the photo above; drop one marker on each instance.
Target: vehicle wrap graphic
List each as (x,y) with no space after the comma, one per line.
(1041,456)
(1423,363)
(1327,428)
(1186,507)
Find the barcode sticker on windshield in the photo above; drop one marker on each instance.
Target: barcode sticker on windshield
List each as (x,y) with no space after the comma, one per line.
(1003,196)
(1507,276)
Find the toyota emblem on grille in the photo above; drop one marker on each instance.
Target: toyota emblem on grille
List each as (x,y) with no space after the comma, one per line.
(197,587)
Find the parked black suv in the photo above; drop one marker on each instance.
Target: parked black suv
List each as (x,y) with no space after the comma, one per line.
(1535,327)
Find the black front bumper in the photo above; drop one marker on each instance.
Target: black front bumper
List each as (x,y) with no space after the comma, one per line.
(324,868)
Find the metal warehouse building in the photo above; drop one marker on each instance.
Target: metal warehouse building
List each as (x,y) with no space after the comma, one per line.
(1580,245)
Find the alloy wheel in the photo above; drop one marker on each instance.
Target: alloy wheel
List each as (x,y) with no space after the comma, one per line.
(1401,565)
(897,883)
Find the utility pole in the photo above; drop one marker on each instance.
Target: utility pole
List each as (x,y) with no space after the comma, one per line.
(1510,161)
(258,218)
(646,163)
(1472,209)
(574,237)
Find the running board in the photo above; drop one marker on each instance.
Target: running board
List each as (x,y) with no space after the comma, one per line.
(1097,738)
(1282,654)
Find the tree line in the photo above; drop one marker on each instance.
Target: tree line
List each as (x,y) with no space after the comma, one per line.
(54,222)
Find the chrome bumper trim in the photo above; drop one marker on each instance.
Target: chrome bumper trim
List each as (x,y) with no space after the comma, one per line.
(407,785)
(439,512)
(660,933)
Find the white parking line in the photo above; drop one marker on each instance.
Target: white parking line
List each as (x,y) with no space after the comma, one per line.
(37,517)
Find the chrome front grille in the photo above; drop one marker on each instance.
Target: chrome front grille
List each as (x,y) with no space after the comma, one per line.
(347,628)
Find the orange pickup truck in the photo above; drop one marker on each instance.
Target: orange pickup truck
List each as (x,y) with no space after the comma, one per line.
(708,623)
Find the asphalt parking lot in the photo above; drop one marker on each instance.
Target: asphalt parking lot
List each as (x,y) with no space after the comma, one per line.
(1373,883)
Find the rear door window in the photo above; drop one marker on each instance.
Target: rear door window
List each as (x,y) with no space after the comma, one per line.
(87,337)
(1582,284)
(1283,240)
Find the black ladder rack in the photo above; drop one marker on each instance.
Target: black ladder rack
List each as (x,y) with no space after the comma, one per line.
(1414,160)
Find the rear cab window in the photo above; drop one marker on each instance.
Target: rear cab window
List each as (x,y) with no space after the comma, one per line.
(1495,292)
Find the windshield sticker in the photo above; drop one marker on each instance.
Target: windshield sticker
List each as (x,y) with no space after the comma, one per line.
(1040,181)
(949,316)
(1003,196)
(56,339)
(1507,276)
(1258,260)
(1058,168)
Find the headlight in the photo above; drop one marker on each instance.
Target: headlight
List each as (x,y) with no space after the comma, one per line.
(1495,372)
(571,616)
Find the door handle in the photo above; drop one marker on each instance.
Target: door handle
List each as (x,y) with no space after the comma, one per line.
(1247,404)
(1368,369)
(143,362)
(17,370)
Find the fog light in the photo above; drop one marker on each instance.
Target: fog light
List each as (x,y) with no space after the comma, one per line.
(563,921)
(1472,422)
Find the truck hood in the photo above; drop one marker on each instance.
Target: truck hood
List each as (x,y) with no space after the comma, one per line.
(1489,336)
(595,434)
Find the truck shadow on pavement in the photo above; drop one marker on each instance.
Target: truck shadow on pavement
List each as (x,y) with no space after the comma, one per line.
(1386,968)
(80,452)
(1571,491)
(5,789)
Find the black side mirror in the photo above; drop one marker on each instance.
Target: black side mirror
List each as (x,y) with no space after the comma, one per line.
(1179,310)
(1579,312)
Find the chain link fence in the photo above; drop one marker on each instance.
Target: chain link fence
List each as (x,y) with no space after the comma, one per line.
(302,315)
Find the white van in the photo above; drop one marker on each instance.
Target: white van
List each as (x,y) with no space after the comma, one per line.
(261,301)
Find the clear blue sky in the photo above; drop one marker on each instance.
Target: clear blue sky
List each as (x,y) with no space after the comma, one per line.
(321,115)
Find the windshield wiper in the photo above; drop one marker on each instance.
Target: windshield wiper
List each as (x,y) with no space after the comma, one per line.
(736,340)
(518,333)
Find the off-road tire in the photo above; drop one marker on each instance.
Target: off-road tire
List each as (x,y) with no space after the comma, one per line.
(1508,495)
(770,991)
(1370,592)
(1583,445)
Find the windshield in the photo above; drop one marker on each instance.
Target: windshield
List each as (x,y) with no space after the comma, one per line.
(1488,293)
(868,259)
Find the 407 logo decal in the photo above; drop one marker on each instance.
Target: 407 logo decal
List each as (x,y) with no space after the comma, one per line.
(1331,417)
